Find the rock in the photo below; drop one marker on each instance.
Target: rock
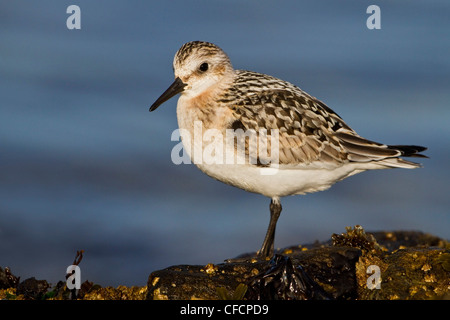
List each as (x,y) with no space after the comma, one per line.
(412,265)
(119,293)
(7,279)
(186,282)
(333,269)
(352,265)
(406,274)
(33,289)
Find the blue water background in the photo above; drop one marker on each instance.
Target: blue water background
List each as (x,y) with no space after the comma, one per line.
(84,165)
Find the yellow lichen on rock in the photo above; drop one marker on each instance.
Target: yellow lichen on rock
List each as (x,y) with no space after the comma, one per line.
(210,268)
(119,293)
(10,294)
(157,295)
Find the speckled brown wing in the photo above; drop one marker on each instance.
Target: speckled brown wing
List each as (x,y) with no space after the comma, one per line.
(309,131)
(305,126)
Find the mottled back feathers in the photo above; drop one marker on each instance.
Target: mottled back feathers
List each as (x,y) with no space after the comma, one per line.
(309,131)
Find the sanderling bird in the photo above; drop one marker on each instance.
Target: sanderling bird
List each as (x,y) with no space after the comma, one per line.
(315,147)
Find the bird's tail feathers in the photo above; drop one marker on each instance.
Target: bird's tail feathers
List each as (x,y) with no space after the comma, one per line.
(362,150)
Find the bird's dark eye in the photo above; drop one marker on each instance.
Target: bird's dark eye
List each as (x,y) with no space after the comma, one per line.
(203,67)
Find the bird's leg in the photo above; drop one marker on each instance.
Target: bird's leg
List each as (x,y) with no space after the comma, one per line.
(267,248)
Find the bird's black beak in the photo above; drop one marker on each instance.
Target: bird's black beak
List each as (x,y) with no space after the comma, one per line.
(176,87)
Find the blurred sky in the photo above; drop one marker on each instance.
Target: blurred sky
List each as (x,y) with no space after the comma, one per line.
(84,165)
